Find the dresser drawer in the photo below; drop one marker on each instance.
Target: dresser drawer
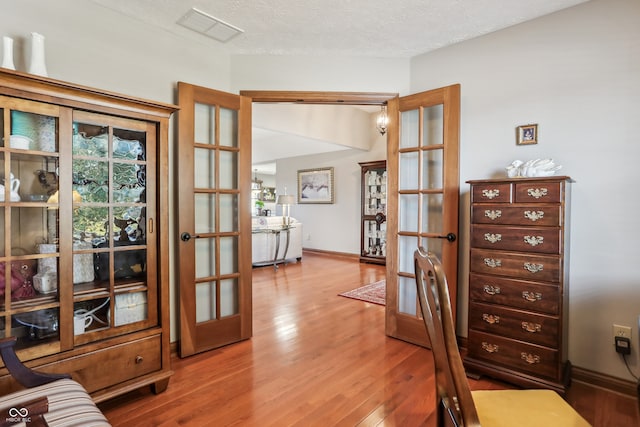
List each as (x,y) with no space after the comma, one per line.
(538,192)
(530,358)
(104,368)
(526,239)
(520,266)
(540,215)
(521,325)
(522,294)
(498,192)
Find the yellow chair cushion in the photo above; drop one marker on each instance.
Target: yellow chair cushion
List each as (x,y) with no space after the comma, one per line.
(525,408)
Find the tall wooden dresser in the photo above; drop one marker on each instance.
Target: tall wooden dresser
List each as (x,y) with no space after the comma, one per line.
(518,284)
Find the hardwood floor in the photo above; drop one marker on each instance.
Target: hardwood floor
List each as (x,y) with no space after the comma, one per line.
(317,359)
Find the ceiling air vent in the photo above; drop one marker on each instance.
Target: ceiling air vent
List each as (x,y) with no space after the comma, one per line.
(208,25)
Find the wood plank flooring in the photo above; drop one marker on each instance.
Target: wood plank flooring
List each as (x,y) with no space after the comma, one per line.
(318,359)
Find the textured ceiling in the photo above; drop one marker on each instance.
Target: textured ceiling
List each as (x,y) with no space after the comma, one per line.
(379,28)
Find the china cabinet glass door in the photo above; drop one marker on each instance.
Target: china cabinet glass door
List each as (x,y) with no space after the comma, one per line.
(30,308)
(113,226)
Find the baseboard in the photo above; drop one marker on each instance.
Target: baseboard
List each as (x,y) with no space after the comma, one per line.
(585,376)
(330,253)
(608,382)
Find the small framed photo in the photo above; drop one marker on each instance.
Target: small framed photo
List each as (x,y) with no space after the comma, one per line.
(315,185)
(527,134)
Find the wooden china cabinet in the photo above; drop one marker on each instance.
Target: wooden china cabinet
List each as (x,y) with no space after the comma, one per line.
(373,220)
(84,224)
(518,282)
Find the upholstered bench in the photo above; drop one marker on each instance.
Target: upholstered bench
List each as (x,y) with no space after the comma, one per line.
(49,399)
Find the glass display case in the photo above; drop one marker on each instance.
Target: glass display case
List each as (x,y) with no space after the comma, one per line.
(82,257)
(373,226)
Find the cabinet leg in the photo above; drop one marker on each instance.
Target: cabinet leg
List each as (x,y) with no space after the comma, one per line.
(159,386)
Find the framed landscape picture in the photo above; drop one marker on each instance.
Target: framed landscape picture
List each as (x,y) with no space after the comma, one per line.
(315,185)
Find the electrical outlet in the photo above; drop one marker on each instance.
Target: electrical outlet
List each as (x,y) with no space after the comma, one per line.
(621,331)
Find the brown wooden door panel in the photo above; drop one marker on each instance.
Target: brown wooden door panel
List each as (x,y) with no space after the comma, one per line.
(214,231)
(422,199)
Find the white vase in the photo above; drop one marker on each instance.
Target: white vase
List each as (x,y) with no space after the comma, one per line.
(37,64)
(7,53)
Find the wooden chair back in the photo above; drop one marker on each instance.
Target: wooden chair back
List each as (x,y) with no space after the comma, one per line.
(453,395)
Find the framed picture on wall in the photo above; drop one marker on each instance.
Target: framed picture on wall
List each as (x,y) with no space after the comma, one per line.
(527,134)
(315,185)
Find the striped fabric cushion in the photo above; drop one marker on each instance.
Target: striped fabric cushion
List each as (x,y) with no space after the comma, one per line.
(69,404)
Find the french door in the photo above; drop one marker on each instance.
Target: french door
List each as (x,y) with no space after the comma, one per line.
(214,251)
(422,200)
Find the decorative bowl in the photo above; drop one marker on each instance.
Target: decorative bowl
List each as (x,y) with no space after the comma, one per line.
(19,141)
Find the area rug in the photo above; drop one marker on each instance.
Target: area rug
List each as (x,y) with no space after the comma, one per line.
(373,292)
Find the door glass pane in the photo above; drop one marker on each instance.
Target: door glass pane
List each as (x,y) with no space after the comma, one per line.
(432,169)
(228,297)
(432,213)
(228,212)
(205,301)
(228,170)
(91,180)
(409,129)
(409,171)
(204,170)
(407,246)
(90,140)
(129,144)
(228,255)
(433,245)
(205,124)
(228,127)
(433,123)
(205,213)
(91,222)
(408,215)
(407,295)
(129,183)
(40,130)
(205,257)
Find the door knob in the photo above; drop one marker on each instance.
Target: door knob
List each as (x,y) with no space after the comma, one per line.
(449,236)
(185,237)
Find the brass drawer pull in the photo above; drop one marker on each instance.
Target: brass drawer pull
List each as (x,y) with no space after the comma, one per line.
(490,348)
(490,194)
(534,240)
(531,327)
(531,296)
(534,215)
(493,215)
(492,238)
(537,193)
(490,318)
(491,290)
(139,359)
(530,358)
(492,263)
(533,268)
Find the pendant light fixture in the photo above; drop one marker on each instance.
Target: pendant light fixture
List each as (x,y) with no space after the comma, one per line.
(383,120)
(256,184)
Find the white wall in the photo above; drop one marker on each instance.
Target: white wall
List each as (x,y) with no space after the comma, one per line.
(577,74)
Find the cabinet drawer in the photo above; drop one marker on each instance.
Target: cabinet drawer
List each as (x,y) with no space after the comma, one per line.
(530,358)
(541,215)
(521,325)
(103,368)
(514,293)
(526,239)
(498,192)
(538,192)
(521,266)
